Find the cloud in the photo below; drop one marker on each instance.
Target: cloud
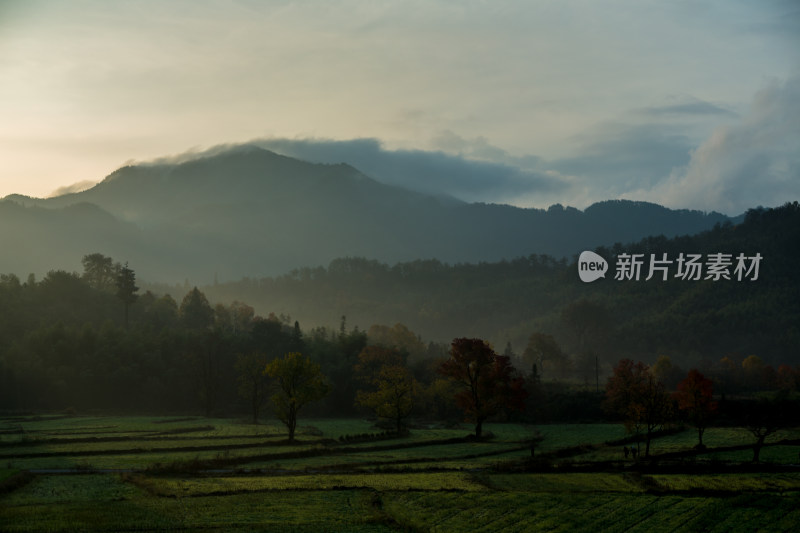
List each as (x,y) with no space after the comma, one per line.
(479,148)
(75,187)
(671,158)
(690,107)
(433,172)
(617,157)
(755,161)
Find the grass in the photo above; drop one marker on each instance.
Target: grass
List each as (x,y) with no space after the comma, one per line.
(6,473)
(417,482)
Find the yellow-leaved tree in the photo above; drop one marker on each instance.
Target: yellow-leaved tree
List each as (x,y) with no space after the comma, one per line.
(299,382)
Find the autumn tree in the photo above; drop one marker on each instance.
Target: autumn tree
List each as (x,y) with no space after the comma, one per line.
(635,394)
(392,387)
(695,398)
(487,381)
(299,382)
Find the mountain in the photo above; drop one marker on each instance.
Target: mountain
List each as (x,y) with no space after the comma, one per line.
(691,321)
(250,212)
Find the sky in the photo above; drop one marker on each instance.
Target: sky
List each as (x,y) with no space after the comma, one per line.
(690,104)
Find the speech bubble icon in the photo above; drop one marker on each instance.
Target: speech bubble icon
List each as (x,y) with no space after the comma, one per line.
(591,266)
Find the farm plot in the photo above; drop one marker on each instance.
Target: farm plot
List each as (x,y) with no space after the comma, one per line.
(740,482)
(431,480)
(572,482)
(770,454)
(590,512)
(105,503)
(395,452)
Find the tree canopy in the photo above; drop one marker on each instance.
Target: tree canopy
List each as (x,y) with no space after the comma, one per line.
(488,383)
(299,382)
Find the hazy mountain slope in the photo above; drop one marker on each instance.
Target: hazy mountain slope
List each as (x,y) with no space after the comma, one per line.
(250,212)
(507,301)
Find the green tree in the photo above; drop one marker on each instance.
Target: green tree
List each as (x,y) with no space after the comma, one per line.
(300,382)
(394,388)
(372,358)
(159,313)
(591,326)
(544,353)
(666,372)
(252,382)
(126,288)
(487,381)
(398,337)
(205,358)
(195,312)
(100,272)
(753,372)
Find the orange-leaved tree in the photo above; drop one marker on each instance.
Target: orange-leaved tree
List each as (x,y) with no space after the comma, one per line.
(695,397)
(488,381)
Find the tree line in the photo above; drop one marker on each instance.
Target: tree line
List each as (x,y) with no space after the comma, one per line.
(505,301)
(635,395)
(90,341)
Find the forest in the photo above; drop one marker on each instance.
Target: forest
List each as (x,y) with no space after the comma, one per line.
(663,404)
(507,301)
(94,340)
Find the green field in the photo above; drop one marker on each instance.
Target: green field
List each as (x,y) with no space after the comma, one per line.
(62,473)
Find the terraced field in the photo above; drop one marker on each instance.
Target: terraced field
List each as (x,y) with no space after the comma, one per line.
(62,473)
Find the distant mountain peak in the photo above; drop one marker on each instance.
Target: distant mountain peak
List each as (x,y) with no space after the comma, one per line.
(247,211)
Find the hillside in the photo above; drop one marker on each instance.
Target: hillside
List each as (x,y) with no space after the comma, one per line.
(250,212)
(507,301)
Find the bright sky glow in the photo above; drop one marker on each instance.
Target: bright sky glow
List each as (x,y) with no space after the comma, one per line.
(689,104)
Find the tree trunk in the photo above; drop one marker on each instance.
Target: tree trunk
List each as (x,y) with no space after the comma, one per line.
(757,448)
(647,444)
(700,437)
(291,422)
(478,428)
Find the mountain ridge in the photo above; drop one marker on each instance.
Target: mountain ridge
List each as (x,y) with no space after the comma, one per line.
(251,212)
